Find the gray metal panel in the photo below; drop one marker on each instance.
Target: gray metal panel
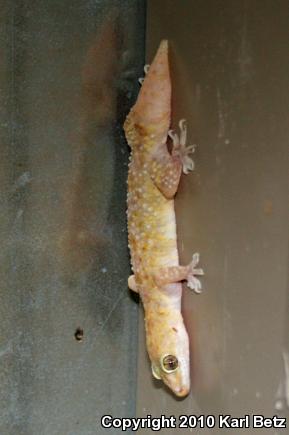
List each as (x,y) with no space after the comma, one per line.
(230,69)
(68,77)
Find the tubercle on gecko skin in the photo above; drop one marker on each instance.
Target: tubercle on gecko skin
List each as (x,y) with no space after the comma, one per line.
(153,179)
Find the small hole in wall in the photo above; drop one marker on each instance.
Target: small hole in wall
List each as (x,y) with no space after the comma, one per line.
(78,335)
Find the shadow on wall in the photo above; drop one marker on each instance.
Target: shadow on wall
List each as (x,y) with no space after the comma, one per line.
(94,177)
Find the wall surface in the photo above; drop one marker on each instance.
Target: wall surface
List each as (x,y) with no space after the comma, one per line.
(68,76)
(230,69)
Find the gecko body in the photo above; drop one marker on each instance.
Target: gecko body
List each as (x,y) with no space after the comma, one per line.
(153,180)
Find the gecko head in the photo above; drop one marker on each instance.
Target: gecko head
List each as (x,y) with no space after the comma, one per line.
(170,358)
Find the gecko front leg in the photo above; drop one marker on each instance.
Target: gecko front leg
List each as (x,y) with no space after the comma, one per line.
(172,274)
(166,168)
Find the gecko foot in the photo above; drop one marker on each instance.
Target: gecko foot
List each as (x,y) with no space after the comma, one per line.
(180,149)
(193,282)
(146,68)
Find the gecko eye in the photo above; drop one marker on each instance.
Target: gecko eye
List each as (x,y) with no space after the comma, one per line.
(169,363)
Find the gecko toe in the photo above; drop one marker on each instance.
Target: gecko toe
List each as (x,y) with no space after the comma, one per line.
(194,284)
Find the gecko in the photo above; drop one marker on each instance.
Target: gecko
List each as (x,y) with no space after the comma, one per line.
(153,179)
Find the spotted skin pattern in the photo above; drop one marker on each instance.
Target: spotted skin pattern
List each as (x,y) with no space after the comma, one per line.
(153,179)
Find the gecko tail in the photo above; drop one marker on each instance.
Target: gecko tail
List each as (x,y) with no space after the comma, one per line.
(153,105)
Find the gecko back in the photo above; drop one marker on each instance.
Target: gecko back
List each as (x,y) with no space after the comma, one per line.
(153,180)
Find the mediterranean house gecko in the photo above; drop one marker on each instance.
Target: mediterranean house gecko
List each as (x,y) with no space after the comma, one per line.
(153,179)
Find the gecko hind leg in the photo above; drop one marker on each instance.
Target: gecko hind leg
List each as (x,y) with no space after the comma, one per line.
(172,274)
(180,149)
(165,169)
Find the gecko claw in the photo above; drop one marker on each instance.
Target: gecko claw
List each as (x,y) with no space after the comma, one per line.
(193,282)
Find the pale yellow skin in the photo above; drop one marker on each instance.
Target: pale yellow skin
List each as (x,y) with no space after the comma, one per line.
(152,183)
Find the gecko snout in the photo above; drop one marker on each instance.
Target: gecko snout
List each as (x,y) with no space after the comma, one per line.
(179,389)
(182,391)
